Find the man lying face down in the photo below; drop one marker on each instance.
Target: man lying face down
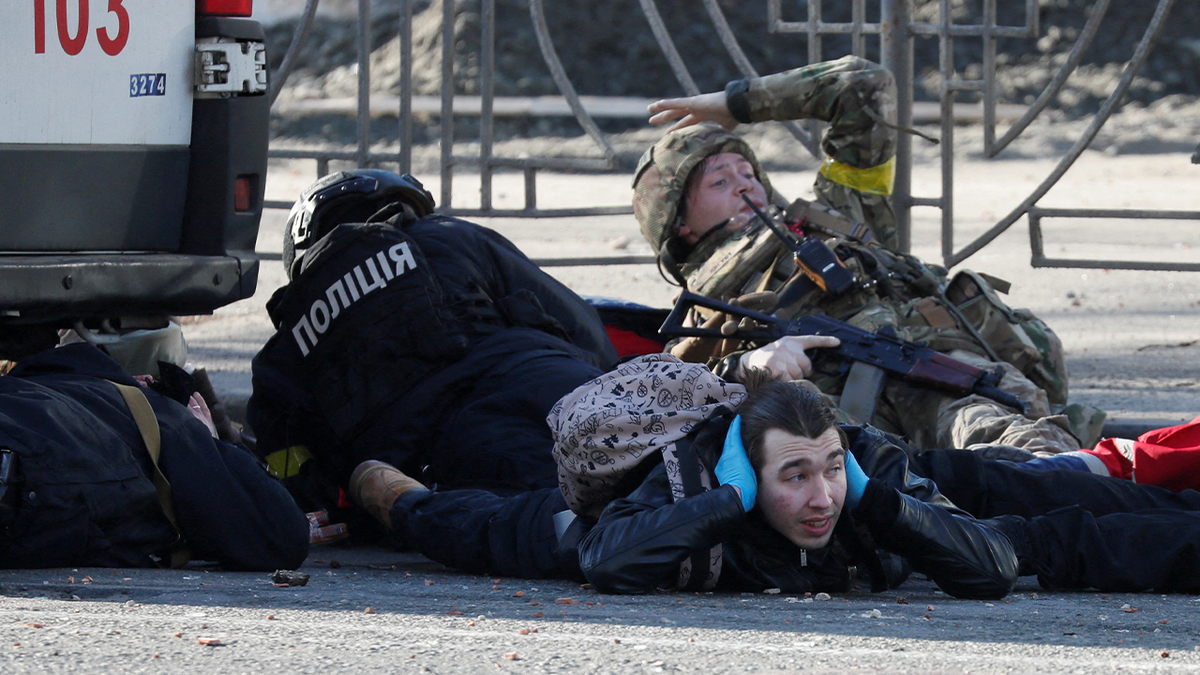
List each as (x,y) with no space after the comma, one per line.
(795,511)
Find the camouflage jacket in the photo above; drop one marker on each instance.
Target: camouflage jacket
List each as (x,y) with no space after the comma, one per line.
(920,302)
(858,100)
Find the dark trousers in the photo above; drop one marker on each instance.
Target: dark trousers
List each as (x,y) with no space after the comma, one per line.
(1084,530)
(1155,550)
(987,488)
(498,440)
(495,479)
(483,533)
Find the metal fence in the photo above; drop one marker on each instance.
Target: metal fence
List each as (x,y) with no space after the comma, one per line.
(894,28)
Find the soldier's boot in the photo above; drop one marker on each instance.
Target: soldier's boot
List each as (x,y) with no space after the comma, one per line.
(375,486)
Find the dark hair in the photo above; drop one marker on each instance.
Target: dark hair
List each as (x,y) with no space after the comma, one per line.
(693,177)
(791,407)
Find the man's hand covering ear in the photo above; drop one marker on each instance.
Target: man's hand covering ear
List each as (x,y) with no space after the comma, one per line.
(734,466)
(856,481)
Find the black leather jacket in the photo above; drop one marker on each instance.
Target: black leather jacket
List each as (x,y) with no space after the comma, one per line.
(639,541)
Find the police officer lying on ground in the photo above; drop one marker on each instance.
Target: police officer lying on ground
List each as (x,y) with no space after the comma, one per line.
(688,199)
(424,341)
(80,487)
(464,411)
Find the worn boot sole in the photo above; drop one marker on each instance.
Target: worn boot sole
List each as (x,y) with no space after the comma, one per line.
(375,486)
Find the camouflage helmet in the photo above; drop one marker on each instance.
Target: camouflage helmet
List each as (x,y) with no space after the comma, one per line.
(662,174)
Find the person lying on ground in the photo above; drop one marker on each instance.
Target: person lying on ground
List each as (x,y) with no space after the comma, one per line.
(689,196)
(405,336)
(424,393)
(797,503)
(99,471)
(799,499)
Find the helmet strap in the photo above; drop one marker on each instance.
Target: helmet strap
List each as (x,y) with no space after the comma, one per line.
(711,231)
(672,252)
(388,213)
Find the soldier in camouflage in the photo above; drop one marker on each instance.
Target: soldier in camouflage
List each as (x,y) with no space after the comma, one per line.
(688,191)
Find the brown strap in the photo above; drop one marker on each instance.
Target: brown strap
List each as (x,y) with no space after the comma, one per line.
(908,130)
(147,424)
(702,349)
(1001,285)
(764,283)
(826,221)
(935,314)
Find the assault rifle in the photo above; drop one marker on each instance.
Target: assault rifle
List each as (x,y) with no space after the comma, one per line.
(910,361)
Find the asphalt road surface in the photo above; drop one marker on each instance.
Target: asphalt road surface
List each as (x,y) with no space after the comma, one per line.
(369,610)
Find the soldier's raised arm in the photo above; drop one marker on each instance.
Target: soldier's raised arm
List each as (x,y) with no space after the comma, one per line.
(693,110)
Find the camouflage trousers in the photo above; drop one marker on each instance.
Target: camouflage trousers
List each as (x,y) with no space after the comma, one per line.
(930,419)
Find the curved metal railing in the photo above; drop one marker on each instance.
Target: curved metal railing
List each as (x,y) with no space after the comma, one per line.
(895,29)
(1131,70)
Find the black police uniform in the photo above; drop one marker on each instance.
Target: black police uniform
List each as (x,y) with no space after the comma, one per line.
(434,345)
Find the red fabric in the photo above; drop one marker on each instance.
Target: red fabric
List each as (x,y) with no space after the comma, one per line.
(1114,461)
(629,343)
(1167,457)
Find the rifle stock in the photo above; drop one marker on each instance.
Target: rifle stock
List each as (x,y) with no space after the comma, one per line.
(909,361)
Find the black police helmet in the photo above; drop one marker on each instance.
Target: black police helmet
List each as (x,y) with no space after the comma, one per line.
(347,197)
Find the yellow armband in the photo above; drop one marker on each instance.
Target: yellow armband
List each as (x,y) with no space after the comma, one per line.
(876,180)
